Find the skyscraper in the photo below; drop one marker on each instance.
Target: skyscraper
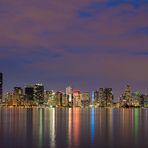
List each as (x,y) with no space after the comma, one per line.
(69,95)
(39,93)
(18,93)
(76,98)
(29,93)
(59,96)
(108,96)
(1,86)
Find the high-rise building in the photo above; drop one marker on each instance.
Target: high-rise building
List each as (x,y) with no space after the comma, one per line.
(126,97)
(29,93)
(18,95)
(76,98)
(101,98)
(39,93)
(69,92)
(69,95)
(1,86)
(59,96)
(51,98)
(127,93)
(18,90)
(85,99)
(96,95)
(108,96)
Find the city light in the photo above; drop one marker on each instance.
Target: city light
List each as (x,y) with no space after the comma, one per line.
(35,95)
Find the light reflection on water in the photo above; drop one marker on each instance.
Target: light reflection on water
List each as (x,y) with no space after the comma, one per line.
(51,128)
(92,124)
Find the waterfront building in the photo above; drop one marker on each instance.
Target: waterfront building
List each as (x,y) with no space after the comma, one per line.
(136,99)
(126,98)
(96,96)
(85,99)
(29,93)
(145,100)
(39,93)
(9,97)
(65,101)
(51,98)
(108,96)
(101,98)
(18,95)
(76,98)
(69,96)
(58,96)
(128,94)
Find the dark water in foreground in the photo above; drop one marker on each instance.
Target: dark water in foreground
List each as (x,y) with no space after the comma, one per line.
(72,128)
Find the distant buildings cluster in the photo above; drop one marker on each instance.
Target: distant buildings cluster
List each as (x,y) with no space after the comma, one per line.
(36,95)
(130,99)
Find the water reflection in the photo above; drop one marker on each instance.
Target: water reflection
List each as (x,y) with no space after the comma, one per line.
(70,127)
(92,124)
(50,127)
(136,126)
(76,125)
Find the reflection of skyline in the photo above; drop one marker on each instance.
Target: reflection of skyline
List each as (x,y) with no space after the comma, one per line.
(76,125)
(110,124)
(136,125)
(69,127)
(52,127)
(73,127)
(41,115)
(92,124)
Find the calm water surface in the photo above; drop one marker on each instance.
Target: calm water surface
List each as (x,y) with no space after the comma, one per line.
(73,128)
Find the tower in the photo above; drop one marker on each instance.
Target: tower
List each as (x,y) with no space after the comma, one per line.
(69,95)
(39,93)
(29,93)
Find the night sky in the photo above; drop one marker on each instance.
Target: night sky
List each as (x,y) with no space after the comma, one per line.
(83,43)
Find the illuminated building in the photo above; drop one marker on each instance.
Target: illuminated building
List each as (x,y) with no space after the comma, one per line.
(136,99)
(59,96)
(108,96)
(96,96)
(85,99)
(69,95)
(76,98)
(143,100)
(9,97)
(65,102)
(18,95)
(126,98)
(1,86)
(101,97)
(39,93)
(46,95)
(127,93)
(51,98)
(18,91)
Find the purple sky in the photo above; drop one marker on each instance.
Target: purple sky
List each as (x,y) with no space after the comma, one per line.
(84,43)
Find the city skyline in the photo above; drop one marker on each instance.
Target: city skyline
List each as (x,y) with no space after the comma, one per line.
(116,94)
(37,94)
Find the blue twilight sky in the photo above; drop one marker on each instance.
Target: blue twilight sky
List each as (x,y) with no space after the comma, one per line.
(83,43)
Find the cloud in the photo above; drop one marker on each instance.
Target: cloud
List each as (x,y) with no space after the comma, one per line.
(79,40)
